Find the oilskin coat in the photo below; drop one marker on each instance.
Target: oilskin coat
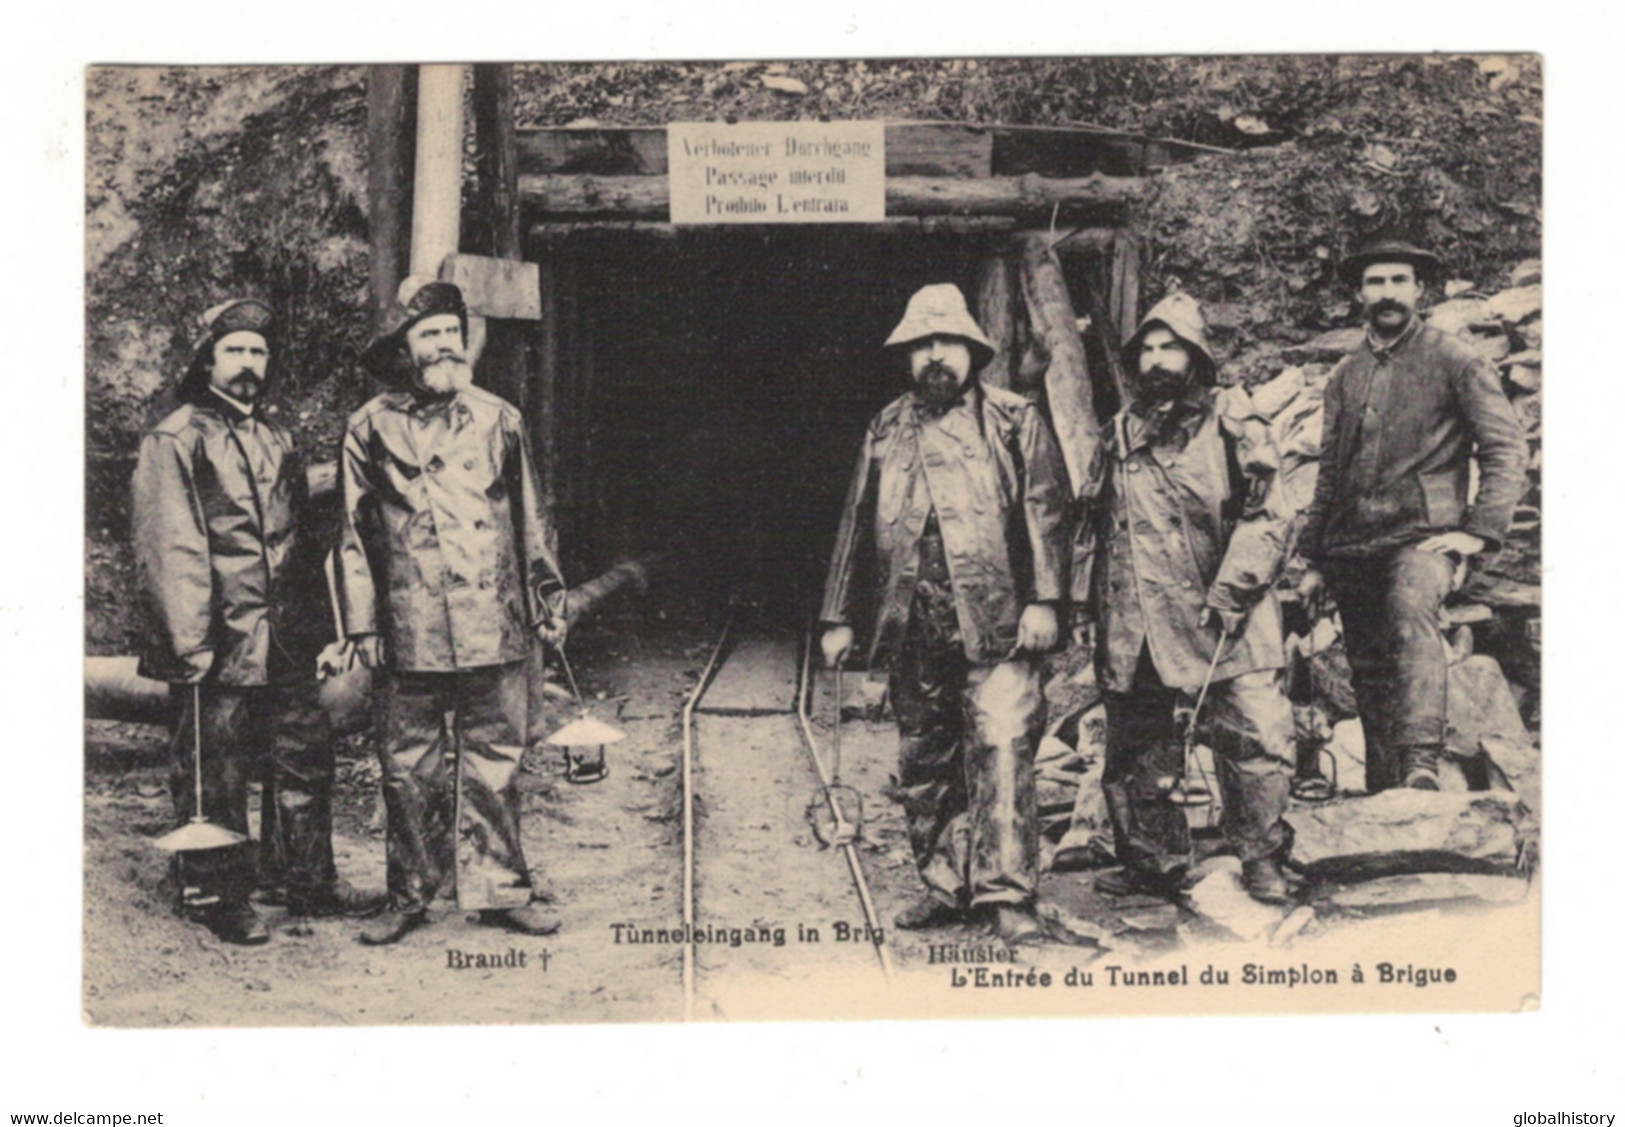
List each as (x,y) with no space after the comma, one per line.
(216,499)
(1193,516)
(440,505)
(990,469)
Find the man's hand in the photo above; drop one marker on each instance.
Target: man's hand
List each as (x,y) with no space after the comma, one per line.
(836,644)
(1228,621)
(1312,591)
(555,623)
(1461,544)
(1038,629)
(365,648)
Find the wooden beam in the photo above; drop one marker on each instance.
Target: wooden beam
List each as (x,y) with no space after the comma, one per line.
(437,179)
(1125,293)
(391,142)
(649,197)
(996,301)
(494,229)
(1075,240)
(1066,381)
(902,225)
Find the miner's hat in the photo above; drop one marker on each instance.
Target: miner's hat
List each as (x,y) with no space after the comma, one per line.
(1352,268)
(940,310)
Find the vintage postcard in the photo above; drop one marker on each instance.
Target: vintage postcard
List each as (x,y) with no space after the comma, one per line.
(761,540)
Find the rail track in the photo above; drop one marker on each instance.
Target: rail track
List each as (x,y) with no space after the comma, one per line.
(808,738)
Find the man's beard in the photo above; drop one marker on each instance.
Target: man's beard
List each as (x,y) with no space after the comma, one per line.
(1160,385)
(1387,305)
(937,384)
(445,374)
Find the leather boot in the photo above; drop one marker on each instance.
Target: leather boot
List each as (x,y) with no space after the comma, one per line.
(1420,768)
(928,911)
(340,898)
(531,919)
(237,923)
(393,926)
(1132,881)
(1266,881)
(1016,924)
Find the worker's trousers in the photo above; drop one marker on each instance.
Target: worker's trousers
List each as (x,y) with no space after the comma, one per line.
(1248,723)
(1391,611)
(968,740)
(279,736)
(451,793)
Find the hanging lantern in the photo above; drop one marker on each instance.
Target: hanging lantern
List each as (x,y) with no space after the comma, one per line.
(584,741)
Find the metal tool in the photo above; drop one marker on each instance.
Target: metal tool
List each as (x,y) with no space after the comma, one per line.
(584,738)
(1181,791)
(199,833)
(1312,786)
(836,810)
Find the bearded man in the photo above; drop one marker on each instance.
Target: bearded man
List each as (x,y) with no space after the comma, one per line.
(1393,523)
(447,577)
(1191,534)
(218,497)
(959,508)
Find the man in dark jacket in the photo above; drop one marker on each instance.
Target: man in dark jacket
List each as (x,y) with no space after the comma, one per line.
(1190,537)
(1392,523)
(447,577)
(959,506)
(217,500)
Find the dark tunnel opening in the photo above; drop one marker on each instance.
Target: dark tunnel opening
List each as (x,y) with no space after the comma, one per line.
(734,374)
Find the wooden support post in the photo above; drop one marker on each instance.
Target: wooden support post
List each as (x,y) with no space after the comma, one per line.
(391,143)
(1066,380)
(1125,294)
(544,396)
(493,227)
(996,313)
(437,196)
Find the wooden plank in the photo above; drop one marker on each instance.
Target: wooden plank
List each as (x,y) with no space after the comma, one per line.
(758,677)
(638,151)
(924,149)
(496,287)
(648,197)
(1019,151)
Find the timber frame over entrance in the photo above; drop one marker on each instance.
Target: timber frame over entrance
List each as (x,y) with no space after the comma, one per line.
(1037,222)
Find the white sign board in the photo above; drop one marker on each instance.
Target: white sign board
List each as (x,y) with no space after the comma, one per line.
(777,172)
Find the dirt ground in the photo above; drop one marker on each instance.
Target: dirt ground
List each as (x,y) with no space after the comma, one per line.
(611,854)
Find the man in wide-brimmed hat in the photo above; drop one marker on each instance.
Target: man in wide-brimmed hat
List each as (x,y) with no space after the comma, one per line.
(1392,522)
(217,497)
(447,578)
(960,504)
(1179,567)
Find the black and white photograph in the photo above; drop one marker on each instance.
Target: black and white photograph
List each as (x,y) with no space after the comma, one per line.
(824,538)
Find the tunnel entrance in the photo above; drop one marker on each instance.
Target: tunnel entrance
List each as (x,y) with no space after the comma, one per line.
(728,379)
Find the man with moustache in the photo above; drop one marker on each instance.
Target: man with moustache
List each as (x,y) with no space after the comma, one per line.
(1392,523)
(446,577)
(1189,538)
(959,509)
(218,495)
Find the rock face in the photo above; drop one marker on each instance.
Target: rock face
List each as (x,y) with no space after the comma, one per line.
(1411,831)
(1415,890)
